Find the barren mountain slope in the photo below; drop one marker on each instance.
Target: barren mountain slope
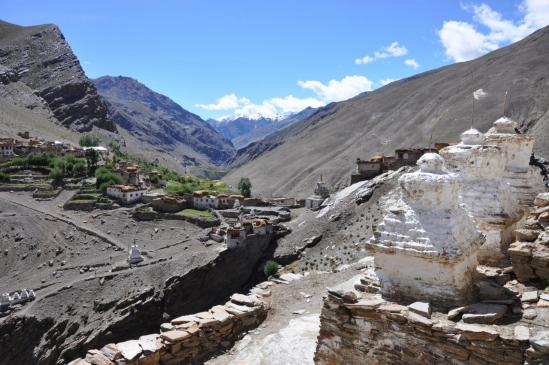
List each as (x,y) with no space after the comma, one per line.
(42,82)
(404,114)
(157,124)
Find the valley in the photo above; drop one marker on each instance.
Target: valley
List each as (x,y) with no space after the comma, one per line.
(405,222)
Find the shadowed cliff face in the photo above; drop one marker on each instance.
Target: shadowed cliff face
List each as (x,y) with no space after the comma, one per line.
(40,62)
(157,122)
(403,114)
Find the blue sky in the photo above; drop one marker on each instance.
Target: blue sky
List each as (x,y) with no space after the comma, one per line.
(219,58)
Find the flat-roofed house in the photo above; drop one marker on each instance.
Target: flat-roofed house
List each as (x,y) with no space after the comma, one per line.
(127,194)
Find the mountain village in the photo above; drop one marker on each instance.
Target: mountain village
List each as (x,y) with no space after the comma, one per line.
(134,232)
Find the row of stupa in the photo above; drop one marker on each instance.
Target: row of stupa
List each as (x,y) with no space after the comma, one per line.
(460,209)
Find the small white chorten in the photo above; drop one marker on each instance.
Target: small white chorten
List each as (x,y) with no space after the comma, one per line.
(426,246)
(134,255)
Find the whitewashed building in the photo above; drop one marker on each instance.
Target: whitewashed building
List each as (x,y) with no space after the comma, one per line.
(126,194)
(6,148)
(203,200)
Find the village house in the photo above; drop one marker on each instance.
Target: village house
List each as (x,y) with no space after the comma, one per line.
(321,192)
(6,148)
(366,170)
(125,193)
(169,204)
(204,199)
(235,236)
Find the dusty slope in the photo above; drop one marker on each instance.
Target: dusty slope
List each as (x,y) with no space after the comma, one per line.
(42,82)
(155,123)
(405,112)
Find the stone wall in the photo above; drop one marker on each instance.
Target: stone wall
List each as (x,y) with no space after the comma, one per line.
(373,331)
(189,339)
(530,253)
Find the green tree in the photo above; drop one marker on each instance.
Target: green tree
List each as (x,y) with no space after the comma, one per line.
(91,158)
(245,187)
(115,148)
(79,168)
(56,174)
(89,140)
(270,268)
(4,177)
(105,178)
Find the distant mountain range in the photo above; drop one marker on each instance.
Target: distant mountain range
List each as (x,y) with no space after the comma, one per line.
(403,114)
(242,131)
(153,122)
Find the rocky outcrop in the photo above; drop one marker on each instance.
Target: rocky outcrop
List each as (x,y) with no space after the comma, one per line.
(40,58)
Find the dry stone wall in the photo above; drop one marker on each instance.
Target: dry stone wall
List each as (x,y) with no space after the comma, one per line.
(191,338)
(374,331)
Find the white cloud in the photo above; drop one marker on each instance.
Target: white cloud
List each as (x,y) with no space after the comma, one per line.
(479,94)
(291,104)
(364,60)
(278,107)
(336,90)
(392,50)
(386,81)
(412,63)
(227,102)
(463,41)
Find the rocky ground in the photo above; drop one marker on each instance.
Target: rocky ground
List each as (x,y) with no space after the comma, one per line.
(86,295)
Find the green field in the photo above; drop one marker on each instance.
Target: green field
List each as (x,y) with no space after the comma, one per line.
(196,213)
(190,184)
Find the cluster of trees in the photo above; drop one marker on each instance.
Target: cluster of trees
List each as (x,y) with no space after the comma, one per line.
(105,177)
(89,140)
(67,166)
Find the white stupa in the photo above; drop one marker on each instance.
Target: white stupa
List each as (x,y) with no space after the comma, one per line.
(485,193)
(525,180)
(134,255)
(426,246)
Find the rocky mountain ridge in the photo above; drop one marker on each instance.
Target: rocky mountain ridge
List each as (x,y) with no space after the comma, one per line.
(39,69)
(154,122)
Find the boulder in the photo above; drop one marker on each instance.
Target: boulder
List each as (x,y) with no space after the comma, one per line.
(175,336)
(526,235)
(529,296)
(421,308)
(488,290)
(130,350)
(542,200)
(477,332)
(522,333)
(540,342)
(484,313)
(111,351)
